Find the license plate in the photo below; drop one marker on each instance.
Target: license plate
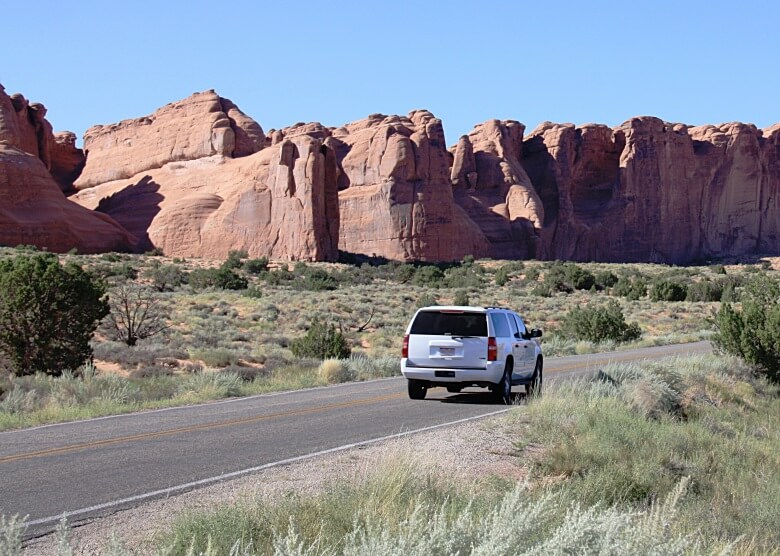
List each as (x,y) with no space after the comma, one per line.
(447,351)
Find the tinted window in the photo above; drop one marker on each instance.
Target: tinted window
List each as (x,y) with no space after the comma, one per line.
(500,326)
(437,323)
(513,325)
(521,324)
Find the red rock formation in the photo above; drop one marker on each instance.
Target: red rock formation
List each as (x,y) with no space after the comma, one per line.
(67,160)
(395,196)
(280,202)
(33,209)
(492,187)
(649,190)
(201,125)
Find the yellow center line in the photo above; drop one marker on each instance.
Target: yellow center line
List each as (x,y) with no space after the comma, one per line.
(192,428)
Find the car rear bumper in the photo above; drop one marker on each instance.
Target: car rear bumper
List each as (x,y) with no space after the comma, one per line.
(447,375)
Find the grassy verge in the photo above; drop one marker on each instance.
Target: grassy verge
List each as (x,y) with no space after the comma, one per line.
(679,456)
(41,399)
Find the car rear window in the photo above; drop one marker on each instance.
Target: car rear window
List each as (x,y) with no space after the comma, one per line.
(439,323)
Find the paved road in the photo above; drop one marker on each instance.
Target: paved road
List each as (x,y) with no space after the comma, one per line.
(95,467)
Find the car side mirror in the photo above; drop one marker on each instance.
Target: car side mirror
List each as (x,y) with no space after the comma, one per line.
(536,333)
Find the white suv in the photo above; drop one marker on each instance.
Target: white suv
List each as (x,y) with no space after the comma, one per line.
(457,347)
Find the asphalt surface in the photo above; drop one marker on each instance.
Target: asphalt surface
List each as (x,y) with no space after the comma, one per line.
(91,468)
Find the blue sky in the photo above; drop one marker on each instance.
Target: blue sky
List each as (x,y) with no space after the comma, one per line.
(685,61)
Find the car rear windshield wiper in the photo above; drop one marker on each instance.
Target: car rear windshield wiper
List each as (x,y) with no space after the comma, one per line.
(462,336)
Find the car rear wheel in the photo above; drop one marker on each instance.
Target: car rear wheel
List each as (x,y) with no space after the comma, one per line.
(416,389)
(534,388)
(503,391)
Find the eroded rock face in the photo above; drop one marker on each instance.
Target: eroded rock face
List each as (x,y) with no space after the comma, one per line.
(199,126)
(33,209)
(653,191)
(395,194)
(67,160)
(280,202)
(492,187)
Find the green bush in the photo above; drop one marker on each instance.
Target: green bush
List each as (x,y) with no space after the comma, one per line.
(426,300)
(234,258)
(605,279)
(599,324)
(166,277)
(566,277)
(461,298)
(256,266)
(322,341)
(431,276)
(318,280)
(753,332)
(48,314)
(705,290)
(667,290)
(502,276)
(223,278)
(632,288)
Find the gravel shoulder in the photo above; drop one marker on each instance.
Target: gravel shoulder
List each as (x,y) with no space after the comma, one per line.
(468,451)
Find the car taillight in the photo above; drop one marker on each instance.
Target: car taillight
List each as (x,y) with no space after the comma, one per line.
(405,349)
(492,350)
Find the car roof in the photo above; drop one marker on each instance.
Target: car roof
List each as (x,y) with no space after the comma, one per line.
(464,308)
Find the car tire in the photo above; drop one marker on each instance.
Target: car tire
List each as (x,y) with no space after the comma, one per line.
(416,389)
(454,389)
(534,388)
(503,390)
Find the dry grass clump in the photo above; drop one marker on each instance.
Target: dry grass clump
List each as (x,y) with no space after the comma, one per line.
(334,371)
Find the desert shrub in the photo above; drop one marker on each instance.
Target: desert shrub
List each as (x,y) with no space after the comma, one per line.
(599,324)
(464,277)
(468,260)
(226,279)
(706,290)
(532,275)
(461,298)
(335,371)
(502,276)
(404,273)
(166,277)
(752,332)
(322,341)
(124,271)
(430,276)
(718,269)
(253,292)
(605,279)
(317,280)
(152,371)
(234,258)
(256,266)
(211,385)
(278,277)
(426,300)
(632,288)
(542,289)
(216,357)
(667,290)
(566,277)
(136,313)
(48,314)
(366,368)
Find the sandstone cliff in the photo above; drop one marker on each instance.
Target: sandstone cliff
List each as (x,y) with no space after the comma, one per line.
(195,180)
(33,209)
(201,125)
(649,190)
(198,177)
(395,196)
